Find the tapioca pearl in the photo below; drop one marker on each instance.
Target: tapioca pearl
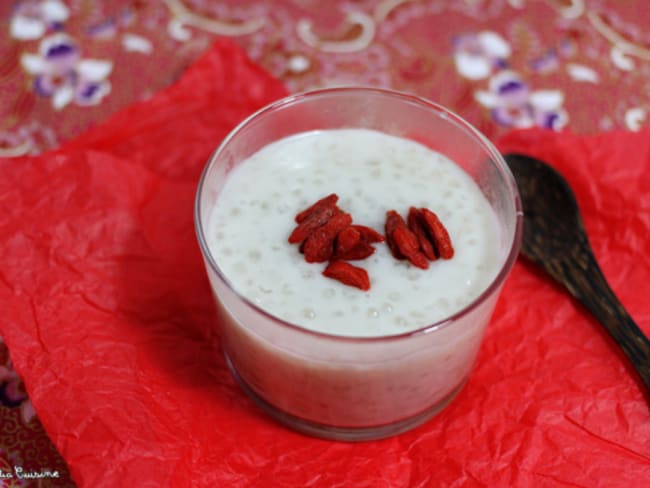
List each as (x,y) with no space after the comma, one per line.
(291,316)
(348,292)
(265,290)
(387,307)
(442,304)
(318,181)
(307,274)
(400,322)
(413,275)
(235,212)
(375,173)
(419,187)
(339,313)
(254,202)
(304,203)
(395,296)
(254,255)
(371,202)
(372,162)
(309,313)
(297,260)
(226,251)
(417,314)
(372,313)
(328,293)
(240,267)
(343,162)
(283,208)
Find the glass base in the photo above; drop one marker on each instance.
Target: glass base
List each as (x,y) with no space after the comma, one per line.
(348,434)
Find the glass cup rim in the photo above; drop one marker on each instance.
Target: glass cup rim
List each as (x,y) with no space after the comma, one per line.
(483,141)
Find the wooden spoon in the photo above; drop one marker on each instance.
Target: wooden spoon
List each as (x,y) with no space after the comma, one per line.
(555,239)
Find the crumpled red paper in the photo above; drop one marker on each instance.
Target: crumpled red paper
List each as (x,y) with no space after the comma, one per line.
(107,313)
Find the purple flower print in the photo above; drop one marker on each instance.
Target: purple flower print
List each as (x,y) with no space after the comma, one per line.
(32,18)
(60,73)
(512,104)
(546,63)
(12,393)
(477,55)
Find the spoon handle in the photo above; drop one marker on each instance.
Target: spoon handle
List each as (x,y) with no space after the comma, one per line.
(584,279)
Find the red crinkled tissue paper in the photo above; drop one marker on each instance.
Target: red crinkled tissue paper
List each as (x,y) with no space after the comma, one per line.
(107,313)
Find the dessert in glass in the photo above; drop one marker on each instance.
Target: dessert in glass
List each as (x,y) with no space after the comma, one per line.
(320,355)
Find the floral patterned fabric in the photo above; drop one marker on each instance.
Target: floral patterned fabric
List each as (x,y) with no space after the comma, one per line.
(579,65)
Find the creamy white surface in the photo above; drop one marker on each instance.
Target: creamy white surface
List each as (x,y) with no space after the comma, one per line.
(371,172)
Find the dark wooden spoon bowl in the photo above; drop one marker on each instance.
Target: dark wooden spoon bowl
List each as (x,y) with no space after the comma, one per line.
(555,239)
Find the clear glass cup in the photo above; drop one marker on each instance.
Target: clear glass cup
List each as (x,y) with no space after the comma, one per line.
(349,388)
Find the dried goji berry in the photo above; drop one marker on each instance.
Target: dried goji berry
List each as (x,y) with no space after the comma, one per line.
(326,202)
(393,220)
(416,224)
(353,242)
(319,245)
(316,219)
(402,242)
(348,274)
(408,245)
(361,250)
(439,233)
(368,234)
(347,239)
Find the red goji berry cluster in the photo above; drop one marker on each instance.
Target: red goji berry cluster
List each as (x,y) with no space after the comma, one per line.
(326,233)
(420,239)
